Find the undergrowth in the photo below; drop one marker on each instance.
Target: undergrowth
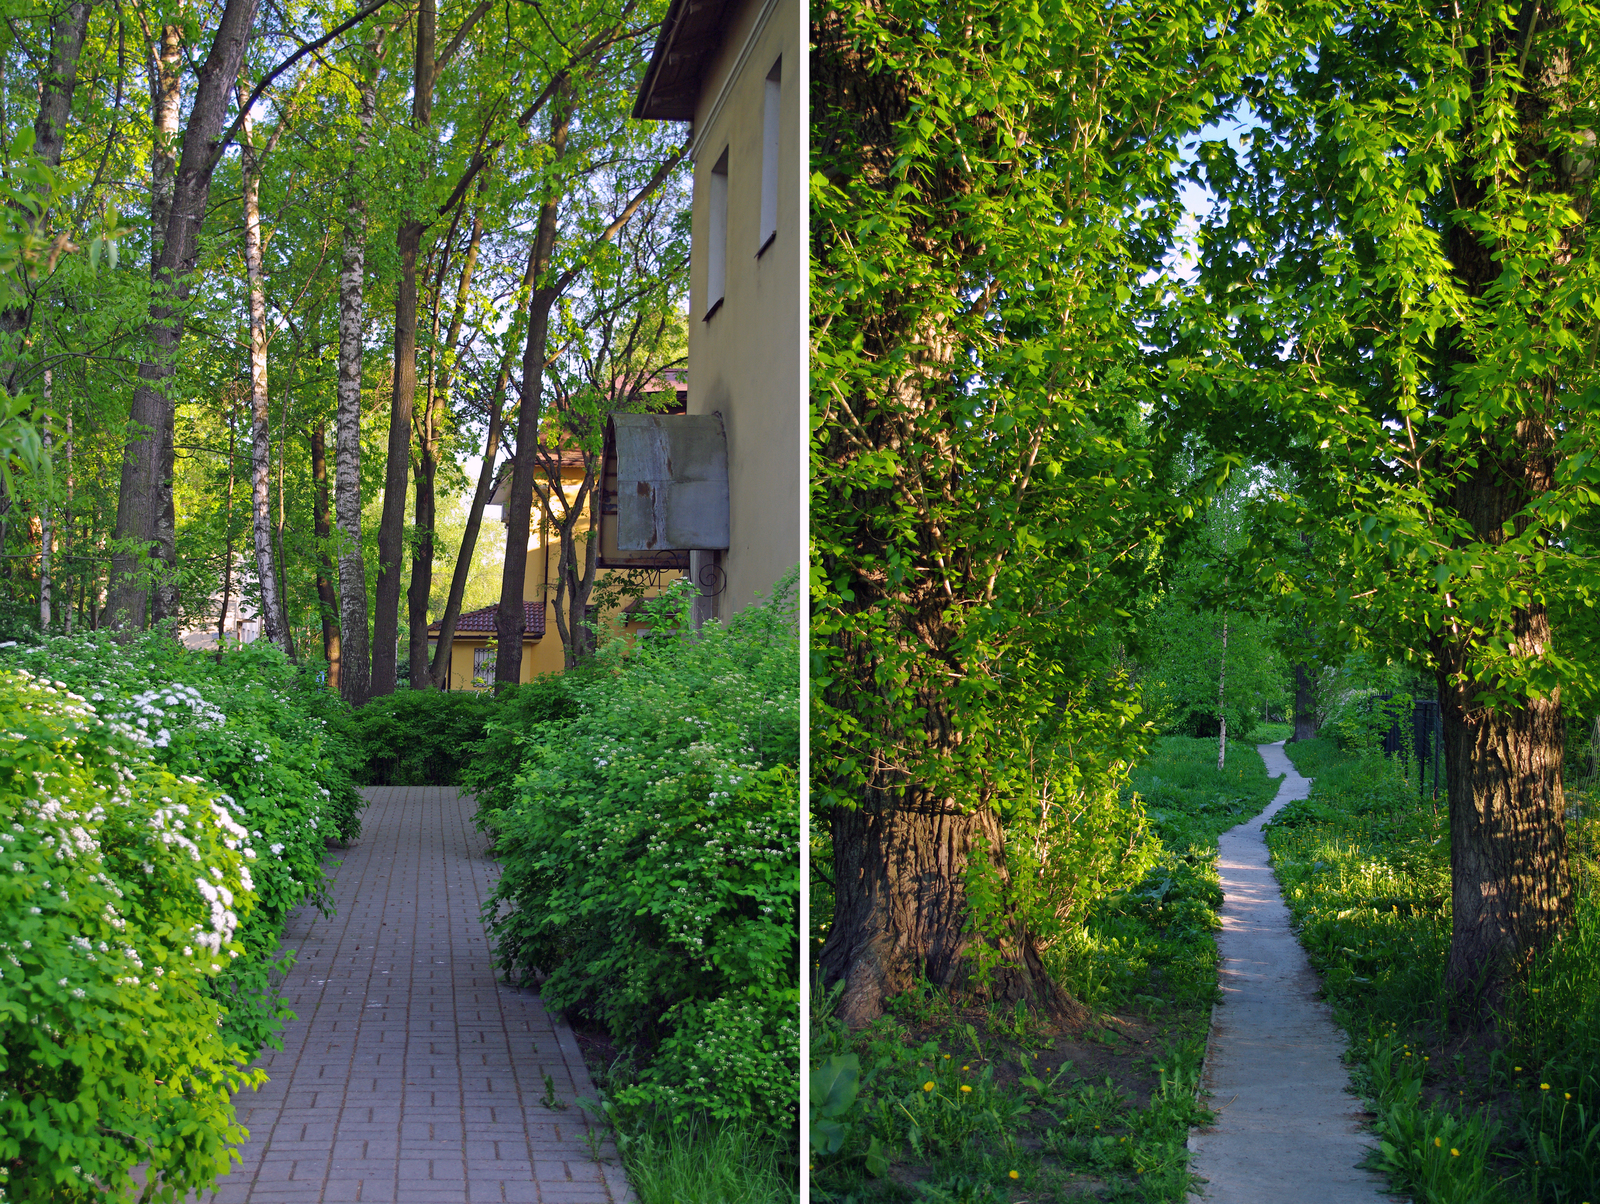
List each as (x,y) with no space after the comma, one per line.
(957,1101)
(1365,869)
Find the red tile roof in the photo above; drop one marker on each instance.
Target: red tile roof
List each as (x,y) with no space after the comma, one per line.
(481,622)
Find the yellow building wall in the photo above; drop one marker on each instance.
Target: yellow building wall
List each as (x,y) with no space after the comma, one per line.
(748,361)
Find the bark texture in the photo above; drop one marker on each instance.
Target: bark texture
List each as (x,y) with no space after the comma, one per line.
(900,869)
(904,858)
(322,528)
(144,530)
(355,657)
(391,527)
(273,626)
(1510,889)
(511,618)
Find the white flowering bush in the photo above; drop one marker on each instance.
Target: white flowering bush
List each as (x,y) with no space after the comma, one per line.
(651,862)
(124,890)
(257,730)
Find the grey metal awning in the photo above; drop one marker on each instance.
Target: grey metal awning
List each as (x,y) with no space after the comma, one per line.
(672,482)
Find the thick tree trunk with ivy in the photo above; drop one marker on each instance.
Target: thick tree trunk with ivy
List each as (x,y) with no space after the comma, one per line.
(903,915)
(920,878)
(1510,890)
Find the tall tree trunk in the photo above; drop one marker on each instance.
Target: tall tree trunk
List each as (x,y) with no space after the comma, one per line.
(143,527)
(355,660)
(574,575)
(273,626)
(46,526)
(68,543)
(227,536)
(1222,701)
(278,530)
(905,858)
(322,528)
(901,867)
(439,381)
(1510,889)
(57,82)
(391,527)
(480,499)
(510,619)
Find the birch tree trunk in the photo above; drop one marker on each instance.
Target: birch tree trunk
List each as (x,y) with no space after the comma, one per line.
(46,528)
(354,654)
(322,528)
(227,537)
(391,528)
(273,626)
(1222,701)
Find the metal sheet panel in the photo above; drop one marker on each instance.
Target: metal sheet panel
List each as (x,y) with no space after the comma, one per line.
(672,481)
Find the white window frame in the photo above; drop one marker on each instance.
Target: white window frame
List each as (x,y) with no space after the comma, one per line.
(717,236)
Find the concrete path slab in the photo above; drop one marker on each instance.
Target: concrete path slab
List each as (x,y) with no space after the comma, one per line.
(411,1075)
(1288,1130)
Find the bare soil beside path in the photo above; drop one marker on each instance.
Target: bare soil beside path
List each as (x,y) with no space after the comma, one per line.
(1288,1129)
(412,1076)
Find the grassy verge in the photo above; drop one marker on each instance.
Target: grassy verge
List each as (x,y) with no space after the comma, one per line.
(1513,1115)
(944,1100)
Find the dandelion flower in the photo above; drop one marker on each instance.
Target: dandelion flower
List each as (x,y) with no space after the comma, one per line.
(1014,1174)
(1544,1086)
(1438,1141)
(1568,1095)
(964,1087)
(1454,1153)
(928,1086)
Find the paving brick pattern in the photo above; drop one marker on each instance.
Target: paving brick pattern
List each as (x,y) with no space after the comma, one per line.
(411,1075)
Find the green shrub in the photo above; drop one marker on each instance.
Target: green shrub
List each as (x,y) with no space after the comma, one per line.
(259,730)
(491,769)
(651,861)
(417,737)
(124,889)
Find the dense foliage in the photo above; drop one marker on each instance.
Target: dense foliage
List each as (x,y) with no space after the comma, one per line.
(124,889)
(417,737)
(991,1106)
(651,866)
(253,727)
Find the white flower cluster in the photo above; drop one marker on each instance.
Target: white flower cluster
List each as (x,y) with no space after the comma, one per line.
(150,712)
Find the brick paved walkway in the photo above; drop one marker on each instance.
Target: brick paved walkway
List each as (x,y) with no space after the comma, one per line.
(411,1075)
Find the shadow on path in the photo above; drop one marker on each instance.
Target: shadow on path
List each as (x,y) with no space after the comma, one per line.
(1288,1129)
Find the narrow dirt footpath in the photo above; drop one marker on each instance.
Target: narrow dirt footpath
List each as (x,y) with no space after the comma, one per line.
(411,1075)
(1288,1130)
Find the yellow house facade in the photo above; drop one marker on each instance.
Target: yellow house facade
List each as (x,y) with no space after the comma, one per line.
(738,72)
(473,648)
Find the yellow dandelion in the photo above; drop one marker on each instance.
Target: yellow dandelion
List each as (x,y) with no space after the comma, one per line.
(1568,1094)
(1544,1086)
(966,1068)
(1518,1069)
(1014,1174)
(1454,1153)
(947,1057)
(1438,1141)
(964,1087)
(928,1086)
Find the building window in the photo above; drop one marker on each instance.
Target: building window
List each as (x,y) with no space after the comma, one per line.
(483,666)
(717,250)
(769,158)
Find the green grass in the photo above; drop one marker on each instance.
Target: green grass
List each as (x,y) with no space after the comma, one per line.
(1271,733)
(729,1164)
(1365,869)
(1033,1124)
